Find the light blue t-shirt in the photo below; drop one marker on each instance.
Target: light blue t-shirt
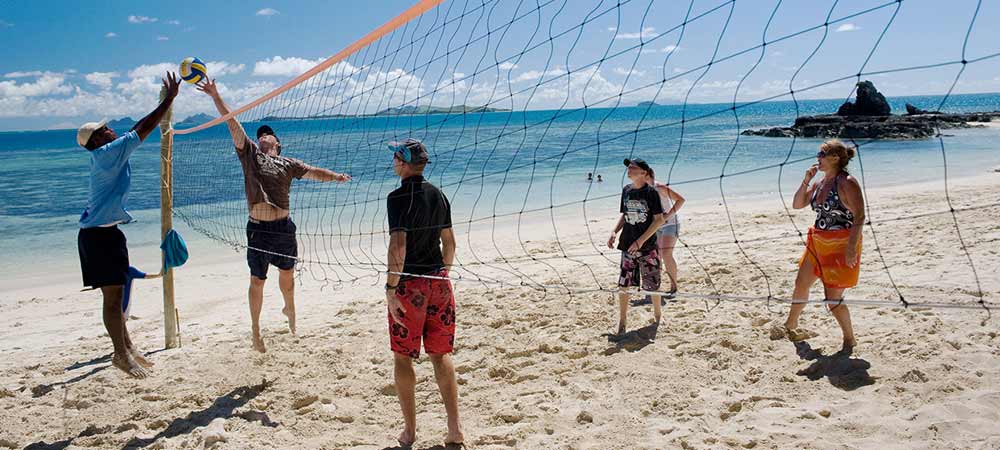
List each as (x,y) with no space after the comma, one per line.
(110,177)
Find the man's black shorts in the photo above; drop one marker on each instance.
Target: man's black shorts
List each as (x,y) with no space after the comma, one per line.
(271,243)
(103,256)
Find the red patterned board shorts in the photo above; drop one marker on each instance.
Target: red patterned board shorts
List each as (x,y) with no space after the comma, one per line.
(430,316)
(644,266)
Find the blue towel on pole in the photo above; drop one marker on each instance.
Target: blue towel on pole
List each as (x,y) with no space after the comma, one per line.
(175,252)
(132,274)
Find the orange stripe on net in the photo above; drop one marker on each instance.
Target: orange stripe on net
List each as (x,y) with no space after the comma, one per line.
(414,11)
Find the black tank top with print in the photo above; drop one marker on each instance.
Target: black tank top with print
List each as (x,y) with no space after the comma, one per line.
(831,214)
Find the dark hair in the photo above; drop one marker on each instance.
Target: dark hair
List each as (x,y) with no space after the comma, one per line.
(843,152)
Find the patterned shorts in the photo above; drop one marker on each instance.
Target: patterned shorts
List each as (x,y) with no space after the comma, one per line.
(645,266)
(430,316)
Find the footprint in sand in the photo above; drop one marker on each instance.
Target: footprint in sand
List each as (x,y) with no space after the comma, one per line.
(126,427)
(303,401)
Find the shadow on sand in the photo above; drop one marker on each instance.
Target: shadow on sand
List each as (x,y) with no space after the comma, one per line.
(843,371)
(632,341)
(43,389)
(223,407)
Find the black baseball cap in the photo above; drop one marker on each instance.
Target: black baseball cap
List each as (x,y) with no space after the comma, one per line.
(410,151)
(638,162)
(265,129)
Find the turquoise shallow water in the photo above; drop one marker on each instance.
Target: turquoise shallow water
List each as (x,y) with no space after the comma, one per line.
(488,164)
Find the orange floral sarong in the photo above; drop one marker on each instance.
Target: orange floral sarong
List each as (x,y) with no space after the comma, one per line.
(827,250)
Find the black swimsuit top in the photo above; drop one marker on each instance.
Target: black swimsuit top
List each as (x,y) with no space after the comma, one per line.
(831,214)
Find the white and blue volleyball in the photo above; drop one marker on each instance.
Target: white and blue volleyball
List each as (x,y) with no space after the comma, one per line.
(193,70)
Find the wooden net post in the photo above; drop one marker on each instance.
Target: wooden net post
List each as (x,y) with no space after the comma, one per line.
(170,323)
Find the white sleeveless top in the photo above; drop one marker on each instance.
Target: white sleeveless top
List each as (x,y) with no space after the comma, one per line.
(668,204)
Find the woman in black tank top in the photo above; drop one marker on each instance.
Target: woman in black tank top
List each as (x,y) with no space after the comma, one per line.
(833,248)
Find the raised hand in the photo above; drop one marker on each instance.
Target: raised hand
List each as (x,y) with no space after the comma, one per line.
(810,173)
(172,83)
(208,86)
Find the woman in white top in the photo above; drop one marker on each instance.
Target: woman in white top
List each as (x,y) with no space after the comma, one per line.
(666,236)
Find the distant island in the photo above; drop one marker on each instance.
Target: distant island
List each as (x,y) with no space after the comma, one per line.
(125,123)
(870,117)
(195,120)
(647,104)
(409,110)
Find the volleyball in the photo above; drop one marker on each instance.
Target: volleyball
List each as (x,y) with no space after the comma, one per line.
(193,70)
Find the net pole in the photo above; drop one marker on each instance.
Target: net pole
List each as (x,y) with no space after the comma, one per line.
(170,323)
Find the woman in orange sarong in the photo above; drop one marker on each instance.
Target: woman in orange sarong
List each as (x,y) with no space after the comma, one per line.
(833,248)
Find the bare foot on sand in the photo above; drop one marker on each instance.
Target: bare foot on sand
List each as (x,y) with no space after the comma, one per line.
(128,365)
(289,312)
(455,439)
(258,344)
(137,355)
(849,345)
(407,438)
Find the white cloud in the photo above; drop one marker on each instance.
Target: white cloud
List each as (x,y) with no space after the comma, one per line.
(268,12)
(46,84)
(536,75)
(848,27)
(646,32)
(141,19)
(220,68)
(111,34)
(280,66)
(154,71)
(679,70)
(669,48)
(507,66)
(173,22)
(33,73)
(730,84)
(612,29)
(162,38)
(101,79)
(623,71)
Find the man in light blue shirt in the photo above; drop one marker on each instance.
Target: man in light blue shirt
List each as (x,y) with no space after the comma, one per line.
(102,247)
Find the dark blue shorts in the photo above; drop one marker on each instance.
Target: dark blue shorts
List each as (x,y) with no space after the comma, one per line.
(271,243)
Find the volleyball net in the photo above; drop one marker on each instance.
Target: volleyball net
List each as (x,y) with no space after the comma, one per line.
(525,104)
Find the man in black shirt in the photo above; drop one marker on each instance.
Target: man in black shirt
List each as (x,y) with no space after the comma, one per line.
(642,215)
(418,292)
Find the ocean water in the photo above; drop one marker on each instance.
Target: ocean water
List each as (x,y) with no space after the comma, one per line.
(489,164)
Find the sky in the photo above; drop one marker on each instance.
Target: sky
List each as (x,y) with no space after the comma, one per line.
(64,65)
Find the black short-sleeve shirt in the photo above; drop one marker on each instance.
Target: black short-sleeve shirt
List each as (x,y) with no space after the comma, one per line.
(640,206)
(422,211)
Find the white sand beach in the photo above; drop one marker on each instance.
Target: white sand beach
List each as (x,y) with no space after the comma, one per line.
(535,370)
